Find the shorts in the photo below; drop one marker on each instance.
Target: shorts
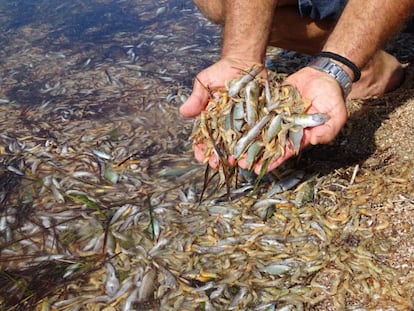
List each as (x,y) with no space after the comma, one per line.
(321,9)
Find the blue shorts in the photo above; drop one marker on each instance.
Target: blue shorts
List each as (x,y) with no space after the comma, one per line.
(321,9)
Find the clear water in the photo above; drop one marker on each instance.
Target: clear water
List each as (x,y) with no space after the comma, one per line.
(169,40)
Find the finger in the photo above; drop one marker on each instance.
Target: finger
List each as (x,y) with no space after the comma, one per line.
(289,152)
(196,102)
(243,163)
(199,151)
(199,155)
(231,160)
(320,135)
(213,161)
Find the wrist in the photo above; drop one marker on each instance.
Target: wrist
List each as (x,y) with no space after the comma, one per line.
(335,70)
(346,64)
(241,62)
(245,54)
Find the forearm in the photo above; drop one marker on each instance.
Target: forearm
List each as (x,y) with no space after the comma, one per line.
(247,28)
(365,27)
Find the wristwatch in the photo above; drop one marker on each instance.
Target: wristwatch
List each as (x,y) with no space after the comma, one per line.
(325,64)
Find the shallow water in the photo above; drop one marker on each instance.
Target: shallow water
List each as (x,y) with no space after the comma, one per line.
(168,41)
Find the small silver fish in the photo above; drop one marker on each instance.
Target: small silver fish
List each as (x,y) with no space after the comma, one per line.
(236,85)
(243,142)
(309,120)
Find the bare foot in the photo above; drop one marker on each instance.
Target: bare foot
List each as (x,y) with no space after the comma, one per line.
(382,74)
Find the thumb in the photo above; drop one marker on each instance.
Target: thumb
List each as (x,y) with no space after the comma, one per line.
(196,102)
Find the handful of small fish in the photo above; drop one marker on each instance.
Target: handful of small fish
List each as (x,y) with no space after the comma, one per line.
(254,120)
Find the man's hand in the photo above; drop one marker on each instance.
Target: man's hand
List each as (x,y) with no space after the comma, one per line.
(209,80)
(326,97)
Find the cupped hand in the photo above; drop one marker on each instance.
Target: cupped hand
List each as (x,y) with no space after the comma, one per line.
(326,97)
(209,80)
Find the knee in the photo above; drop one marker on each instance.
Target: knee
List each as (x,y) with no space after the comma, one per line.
(212,9)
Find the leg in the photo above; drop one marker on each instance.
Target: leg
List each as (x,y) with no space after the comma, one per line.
(301,34)
(212,9)
(290,31)
(383,74)
(293,32)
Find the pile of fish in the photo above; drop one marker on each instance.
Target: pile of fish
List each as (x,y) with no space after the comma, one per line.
(253,119)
